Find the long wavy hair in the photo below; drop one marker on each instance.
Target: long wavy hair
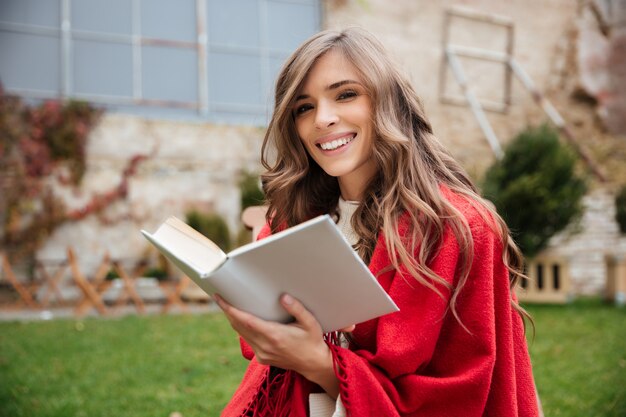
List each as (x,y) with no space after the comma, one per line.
(412,163)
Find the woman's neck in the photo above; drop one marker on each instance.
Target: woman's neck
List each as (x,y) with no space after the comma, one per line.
(352,190)
(354,184)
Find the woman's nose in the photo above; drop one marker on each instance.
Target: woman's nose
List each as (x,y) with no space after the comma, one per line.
(325,116)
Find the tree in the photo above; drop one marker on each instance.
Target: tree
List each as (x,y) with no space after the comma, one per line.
(535,188)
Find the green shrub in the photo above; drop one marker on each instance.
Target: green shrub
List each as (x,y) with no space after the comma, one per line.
(620,208)
(156,272)
(251,194)
(212,226)
(535,188)
(111,274)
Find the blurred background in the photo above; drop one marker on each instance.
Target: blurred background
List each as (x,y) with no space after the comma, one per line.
(117,114)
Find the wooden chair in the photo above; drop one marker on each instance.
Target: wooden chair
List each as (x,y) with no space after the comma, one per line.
(91,290)
(174,291)
(51,272)
(253,218)
(25,290)
(129,292)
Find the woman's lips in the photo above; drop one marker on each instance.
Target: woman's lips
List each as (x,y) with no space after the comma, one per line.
(335,142)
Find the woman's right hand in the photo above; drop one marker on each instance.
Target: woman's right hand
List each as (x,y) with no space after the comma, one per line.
(298,346)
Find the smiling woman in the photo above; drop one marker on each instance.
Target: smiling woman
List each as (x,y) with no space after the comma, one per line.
(334,120)
(349,137)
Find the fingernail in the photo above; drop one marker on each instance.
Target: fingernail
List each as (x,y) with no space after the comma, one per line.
(287,299)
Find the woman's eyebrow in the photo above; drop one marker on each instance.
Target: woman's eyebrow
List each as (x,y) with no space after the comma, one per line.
(332,86)
(338,84)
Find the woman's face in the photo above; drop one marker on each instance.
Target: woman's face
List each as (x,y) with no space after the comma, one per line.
(334,119)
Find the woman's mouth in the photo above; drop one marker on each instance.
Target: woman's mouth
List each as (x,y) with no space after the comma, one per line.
(337,143)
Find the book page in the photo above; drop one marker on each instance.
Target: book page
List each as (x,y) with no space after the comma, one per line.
(186,243)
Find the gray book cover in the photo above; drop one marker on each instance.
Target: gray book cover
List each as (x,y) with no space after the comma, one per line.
(312,261)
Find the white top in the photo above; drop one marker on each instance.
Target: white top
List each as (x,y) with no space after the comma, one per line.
(346,210)
(323,405)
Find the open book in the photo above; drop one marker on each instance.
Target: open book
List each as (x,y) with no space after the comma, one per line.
(311,261)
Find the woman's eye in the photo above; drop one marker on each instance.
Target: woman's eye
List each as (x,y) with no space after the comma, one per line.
(302,109)
(346,95)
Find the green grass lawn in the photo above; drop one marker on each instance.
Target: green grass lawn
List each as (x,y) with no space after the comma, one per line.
(579,359)
(135,366)
(153,366)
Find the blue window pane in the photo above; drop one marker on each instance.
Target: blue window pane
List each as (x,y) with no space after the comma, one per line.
(32,12)
(30,62)
(102,68)
(235,79)
(248,42)
(109,16)
(167,19)
(169,74)
(275,64)
(289,24)
(233,22)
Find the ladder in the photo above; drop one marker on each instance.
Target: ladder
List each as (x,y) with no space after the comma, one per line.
(450,59)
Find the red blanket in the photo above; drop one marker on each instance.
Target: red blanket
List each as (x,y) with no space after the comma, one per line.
(420,361)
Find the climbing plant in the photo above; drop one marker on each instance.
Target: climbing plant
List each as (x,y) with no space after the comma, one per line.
(43,146)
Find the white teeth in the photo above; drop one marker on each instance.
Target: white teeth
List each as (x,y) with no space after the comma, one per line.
(332,145)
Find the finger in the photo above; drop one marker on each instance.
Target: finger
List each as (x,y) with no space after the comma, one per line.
(236,317)
(298,311)
(244,322)
(219,300)
(223,304)
(229,309)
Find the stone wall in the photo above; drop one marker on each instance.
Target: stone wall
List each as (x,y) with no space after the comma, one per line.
(194,165)
(197,164)
(586,243)
(412,31)
(602,59)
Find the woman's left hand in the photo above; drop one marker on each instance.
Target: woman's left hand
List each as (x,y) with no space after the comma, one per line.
(298,346)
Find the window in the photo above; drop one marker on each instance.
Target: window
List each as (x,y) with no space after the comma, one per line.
(212,59)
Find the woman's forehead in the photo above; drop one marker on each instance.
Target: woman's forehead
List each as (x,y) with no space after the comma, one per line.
(329,69)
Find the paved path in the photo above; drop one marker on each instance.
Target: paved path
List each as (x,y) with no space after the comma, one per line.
(24,314)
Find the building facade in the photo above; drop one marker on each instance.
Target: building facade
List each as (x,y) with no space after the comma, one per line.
(190,83)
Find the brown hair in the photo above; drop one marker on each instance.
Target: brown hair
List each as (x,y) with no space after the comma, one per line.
(412,166)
